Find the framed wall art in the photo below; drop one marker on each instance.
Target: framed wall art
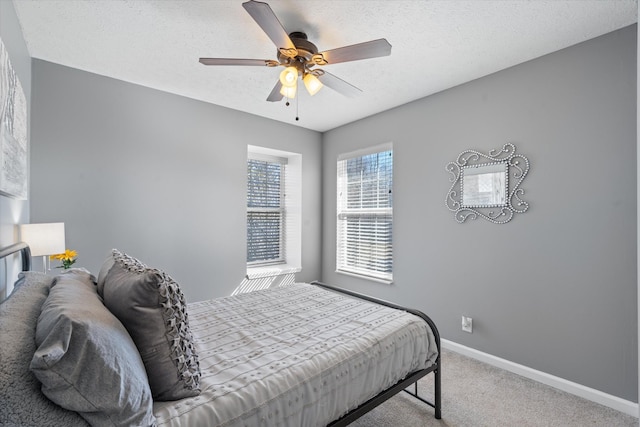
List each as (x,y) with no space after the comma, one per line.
(13,131)
(487,185)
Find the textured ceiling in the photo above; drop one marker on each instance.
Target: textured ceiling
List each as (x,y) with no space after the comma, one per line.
(436,45)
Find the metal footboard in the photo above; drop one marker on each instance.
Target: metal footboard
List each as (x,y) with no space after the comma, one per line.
(412,378)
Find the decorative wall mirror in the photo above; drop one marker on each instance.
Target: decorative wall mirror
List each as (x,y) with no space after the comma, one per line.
(487,185)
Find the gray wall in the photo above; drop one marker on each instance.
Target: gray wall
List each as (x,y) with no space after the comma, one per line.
(159,176)
(554,289)
(13,211)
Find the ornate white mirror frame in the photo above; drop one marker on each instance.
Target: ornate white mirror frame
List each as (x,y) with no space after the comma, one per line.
(489,185)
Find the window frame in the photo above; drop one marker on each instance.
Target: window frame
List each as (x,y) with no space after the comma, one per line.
(292,187)
(343,211)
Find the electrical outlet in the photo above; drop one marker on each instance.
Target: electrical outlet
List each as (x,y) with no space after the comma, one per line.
(467,324)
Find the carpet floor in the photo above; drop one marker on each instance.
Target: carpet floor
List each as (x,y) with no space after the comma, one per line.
(475,394)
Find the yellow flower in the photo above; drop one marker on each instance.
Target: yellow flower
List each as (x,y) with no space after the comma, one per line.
(67,258)
(69,254)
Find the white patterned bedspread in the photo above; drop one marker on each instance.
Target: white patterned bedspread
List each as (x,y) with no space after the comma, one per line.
(296,356)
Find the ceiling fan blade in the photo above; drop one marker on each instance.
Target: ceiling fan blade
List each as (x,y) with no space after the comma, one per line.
(235,61)
(337,84)
(275,94)
(370,49)
(267,20)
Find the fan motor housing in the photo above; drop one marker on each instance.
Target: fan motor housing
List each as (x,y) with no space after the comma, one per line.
(305,49)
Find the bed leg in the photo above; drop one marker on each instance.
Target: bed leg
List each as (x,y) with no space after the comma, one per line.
(437,391)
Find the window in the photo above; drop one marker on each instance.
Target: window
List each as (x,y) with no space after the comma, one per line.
(365,213)
(265,210)
(273,212)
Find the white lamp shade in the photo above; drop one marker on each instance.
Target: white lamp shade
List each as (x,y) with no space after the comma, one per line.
(289,76)
(288,92)
(312,83)
(43,239)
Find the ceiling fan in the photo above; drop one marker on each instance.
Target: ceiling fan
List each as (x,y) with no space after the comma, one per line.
(300,57)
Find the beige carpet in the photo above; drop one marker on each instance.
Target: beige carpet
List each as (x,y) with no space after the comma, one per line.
(475,394)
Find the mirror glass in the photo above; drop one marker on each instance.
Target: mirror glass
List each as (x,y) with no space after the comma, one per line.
(484,185)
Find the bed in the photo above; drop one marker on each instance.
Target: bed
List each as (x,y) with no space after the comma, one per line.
(298,355)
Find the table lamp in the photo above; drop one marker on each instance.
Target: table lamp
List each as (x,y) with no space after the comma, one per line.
(43,240)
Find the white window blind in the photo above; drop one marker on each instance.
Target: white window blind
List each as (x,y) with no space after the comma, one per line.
(365,214)
(265,210)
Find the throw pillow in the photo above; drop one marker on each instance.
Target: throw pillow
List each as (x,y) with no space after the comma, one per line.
(153,309)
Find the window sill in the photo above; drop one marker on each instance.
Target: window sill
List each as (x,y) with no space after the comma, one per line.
(271,271)
(365,277)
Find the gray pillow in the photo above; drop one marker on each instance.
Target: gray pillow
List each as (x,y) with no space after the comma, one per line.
(102,274)
(86,360)
(21,401)
(153,309)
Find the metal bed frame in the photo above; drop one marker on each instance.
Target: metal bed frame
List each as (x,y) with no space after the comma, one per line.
(401,385)
(21,247)
(367,406)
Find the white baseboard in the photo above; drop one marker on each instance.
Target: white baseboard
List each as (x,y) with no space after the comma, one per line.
(622,405)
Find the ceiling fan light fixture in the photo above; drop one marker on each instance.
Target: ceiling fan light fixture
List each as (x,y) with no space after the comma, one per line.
(312,83)
(298,55)
(289,77)
(289,91)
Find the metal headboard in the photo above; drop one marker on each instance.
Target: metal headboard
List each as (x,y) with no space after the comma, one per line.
(21,247)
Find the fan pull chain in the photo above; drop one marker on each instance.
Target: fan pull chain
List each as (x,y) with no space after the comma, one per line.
(297,107)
